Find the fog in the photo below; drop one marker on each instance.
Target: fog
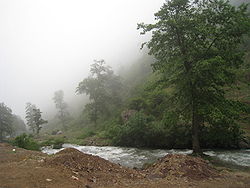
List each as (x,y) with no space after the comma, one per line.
(48,45)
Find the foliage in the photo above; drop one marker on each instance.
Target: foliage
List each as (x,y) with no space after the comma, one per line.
(38,120)
(87,133)
(26,141)
(5,121)
(133,132)
(170,132)
(63,114)
(137,104)
(34,118)
(56,143)
(222,136)
(29,110)
(143,131)
(195,43)
(103,88)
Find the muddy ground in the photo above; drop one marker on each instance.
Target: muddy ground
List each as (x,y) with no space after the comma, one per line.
(72,169)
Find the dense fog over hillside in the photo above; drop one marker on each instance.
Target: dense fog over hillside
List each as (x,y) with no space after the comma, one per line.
(48,45)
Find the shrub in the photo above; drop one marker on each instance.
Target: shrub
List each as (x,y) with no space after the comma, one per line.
(56,143)
(26,141)
(86,134)
(142,130)
(223,136)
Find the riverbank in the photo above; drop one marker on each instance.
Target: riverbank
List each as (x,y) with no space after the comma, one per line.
(71,168)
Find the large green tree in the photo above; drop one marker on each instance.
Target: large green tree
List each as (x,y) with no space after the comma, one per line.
(195,43)
(34,118)
(29,110)
(5,121)
(103,88)
(39,121)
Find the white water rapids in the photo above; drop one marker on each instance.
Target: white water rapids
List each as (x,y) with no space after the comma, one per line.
(134,157)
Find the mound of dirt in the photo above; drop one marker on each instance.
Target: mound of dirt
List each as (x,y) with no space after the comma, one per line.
(95,169)
(72,169)
(182,166)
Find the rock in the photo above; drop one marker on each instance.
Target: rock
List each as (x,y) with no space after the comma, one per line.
(244,144)
(59,132)
(75,178)
(48,180)
(75,172)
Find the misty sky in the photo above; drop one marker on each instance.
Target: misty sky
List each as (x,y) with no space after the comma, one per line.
(47,45)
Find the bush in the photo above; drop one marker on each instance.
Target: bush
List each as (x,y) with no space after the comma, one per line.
(26,141)
(223,136)
(86,134)
(56,143)
(137,104)
(129,134)
(171,132)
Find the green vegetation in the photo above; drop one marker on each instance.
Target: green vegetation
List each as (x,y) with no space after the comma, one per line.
(194,44)
(103,88)
(5,121)
(34,118)
(185,101)
(26,141)
(10,124)
(56,143)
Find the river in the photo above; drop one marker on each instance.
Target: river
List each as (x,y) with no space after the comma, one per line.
(134,157)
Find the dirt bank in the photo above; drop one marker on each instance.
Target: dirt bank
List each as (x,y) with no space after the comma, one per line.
(72,169)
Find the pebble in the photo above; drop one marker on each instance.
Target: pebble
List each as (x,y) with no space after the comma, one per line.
(74,178)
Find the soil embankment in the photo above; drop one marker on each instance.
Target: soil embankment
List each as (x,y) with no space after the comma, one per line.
(71,168)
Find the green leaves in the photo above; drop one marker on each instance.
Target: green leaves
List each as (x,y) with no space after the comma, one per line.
(34,118)
(26,141)
(103,88)
(5,121)
(196,44)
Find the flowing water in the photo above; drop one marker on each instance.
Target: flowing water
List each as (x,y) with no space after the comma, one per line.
(134,157)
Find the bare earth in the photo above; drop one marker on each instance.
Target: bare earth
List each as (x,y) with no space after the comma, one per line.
(72,169)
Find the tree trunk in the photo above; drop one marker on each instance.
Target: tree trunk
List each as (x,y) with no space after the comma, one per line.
(195,133)
(196,120)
